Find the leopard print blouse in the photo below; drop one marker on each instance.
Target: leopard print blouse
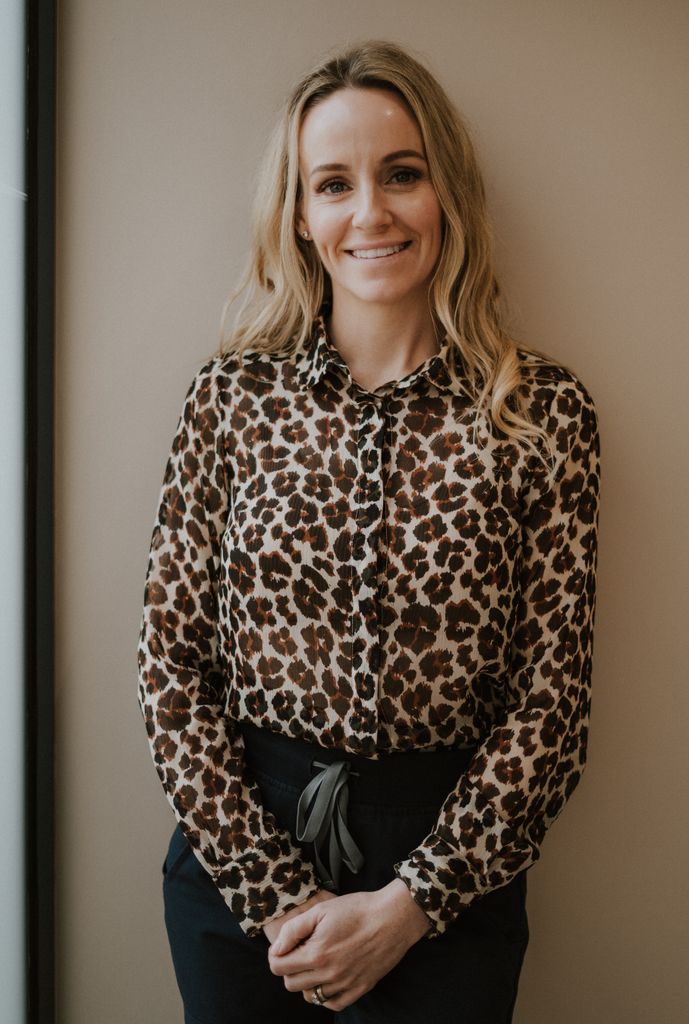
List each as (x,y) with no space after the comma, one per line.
(373,572)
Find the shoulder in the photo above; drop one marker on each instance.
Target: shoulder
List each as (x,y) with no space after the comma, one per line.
(227,375)
(224,376)
(554,389)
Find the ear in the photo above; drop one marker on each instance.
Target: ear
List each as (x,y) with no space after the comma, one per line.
(300,224)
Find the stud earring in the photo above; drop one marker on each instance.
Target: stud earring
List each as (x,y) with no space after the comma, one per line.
(305,234)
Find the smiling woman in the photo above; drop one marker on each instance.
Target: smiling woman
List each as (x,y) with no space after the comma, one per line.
(371,209)
(365,653)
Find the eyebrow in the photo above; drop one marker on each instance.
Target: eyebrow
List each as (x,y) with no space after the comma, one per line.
(399,154)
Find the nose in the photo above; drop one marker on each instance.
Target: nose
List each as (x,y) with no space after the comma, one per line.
(371,212)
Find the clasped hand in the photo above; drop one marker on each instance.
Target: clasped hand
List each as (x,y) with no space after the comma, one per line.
(345,944)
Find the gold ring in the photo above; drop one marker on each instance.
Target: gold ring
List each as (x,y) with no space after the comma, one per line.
(318,998)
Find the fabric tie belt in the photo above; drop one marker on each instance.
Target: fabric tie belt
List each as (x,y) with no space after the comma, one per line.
(399,783)
(322,820)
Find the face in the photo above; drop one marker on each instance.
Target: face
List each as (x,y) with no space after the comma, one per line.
(367,198)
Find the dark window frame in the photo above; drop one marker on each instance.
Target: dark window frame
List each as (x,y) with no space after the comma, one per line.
(41,17)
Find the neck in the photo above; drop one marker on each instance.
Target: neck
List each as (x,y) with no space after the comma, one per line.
(382,343)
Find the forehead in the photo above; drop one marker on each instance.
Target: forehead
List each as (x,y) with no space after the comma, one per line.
(354,122)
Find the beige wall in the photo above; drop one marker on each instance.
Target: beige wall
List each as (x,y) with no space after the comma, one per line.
(580,114)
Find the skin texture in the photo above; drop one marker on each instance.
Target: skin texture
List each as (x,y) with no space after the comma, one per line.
(381,323)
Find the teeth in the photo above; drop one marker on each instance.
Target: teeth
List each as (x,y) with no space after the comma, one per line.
(373,254)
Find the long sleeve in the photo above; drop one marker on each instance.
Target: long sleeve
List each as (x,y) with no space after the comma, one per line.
(184,679)
(493,823)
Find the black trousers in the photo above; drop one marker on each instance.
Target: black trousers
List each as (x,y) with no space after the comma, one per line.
(469,975)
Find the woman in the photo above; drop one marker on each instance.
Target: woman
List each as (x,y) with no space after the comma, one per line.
(365,656)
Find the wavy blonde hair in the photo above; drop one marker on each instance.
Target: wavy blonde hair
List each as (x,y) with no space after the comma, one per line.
(284,285)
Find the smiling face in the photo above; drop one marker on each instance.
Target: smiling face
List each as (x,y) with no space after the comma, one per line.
(367,198)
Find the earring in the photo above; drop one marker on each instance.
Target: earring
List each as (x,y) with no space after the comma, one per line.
(305,234)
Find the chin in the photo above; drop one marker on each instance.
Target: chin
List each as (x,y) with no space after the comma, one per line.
(387,296)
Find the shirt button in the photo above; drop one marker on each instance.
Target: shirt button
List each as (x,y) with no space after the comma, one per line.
(368,410)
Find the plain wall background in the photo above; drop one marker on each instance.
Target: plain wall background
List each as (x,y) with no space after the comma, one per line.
(579,111)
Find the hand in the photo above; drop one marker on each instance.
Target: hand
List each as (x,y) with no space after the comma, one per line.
(348,943)
(272,929)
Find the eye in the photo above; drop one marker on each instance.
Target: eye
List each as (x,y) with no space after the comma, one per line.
(333,187)
(405,176)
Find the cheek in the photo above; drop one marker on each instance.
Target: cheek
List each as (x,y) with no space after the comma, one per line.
(328,232)
(432,217)
(423,217)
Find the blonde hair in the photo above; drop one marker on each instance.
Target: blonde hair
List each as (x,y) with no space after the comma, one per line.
(284,284)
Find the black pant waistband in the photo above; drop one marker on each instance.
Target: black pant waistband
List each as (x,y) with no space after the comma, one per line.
(416,777)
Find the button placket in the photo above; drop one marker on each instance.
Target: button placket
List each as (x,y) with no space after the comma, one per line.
(368,512)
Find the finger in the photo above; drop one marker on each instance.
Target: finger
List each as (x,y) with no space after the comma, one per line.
(305,982)
(302,962)
(327,991)
(335,1001)
(293,932)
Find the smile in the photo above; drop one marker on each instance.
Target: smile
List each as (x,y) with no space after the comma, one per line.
(376,254)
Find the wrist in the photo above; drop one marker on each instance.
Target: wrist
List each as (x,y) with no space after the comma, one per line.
(415,922)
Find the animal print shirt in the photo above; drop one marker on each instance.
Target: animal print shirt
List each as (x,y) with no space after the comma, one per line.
(368,571)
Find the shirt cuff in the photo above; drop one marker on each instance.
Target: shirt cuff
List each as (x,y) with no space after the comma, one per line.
(266,883)
(431,873)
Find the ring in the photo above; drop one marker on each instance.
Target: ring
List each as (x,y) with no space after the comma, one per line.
(318,998)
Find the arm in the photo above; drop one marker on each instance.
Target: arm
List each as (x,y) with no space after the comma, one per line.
(184,679)
(492,824)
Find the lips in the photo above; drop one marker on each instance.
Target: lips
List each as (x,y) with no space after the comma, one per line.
(380,253)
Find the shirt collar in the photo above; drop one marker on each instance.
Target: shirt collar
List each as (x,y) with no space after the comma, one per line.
(321,355)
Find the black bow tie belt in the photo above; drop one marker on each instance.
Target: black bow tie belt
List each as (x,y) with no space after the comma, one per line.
(322,820)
